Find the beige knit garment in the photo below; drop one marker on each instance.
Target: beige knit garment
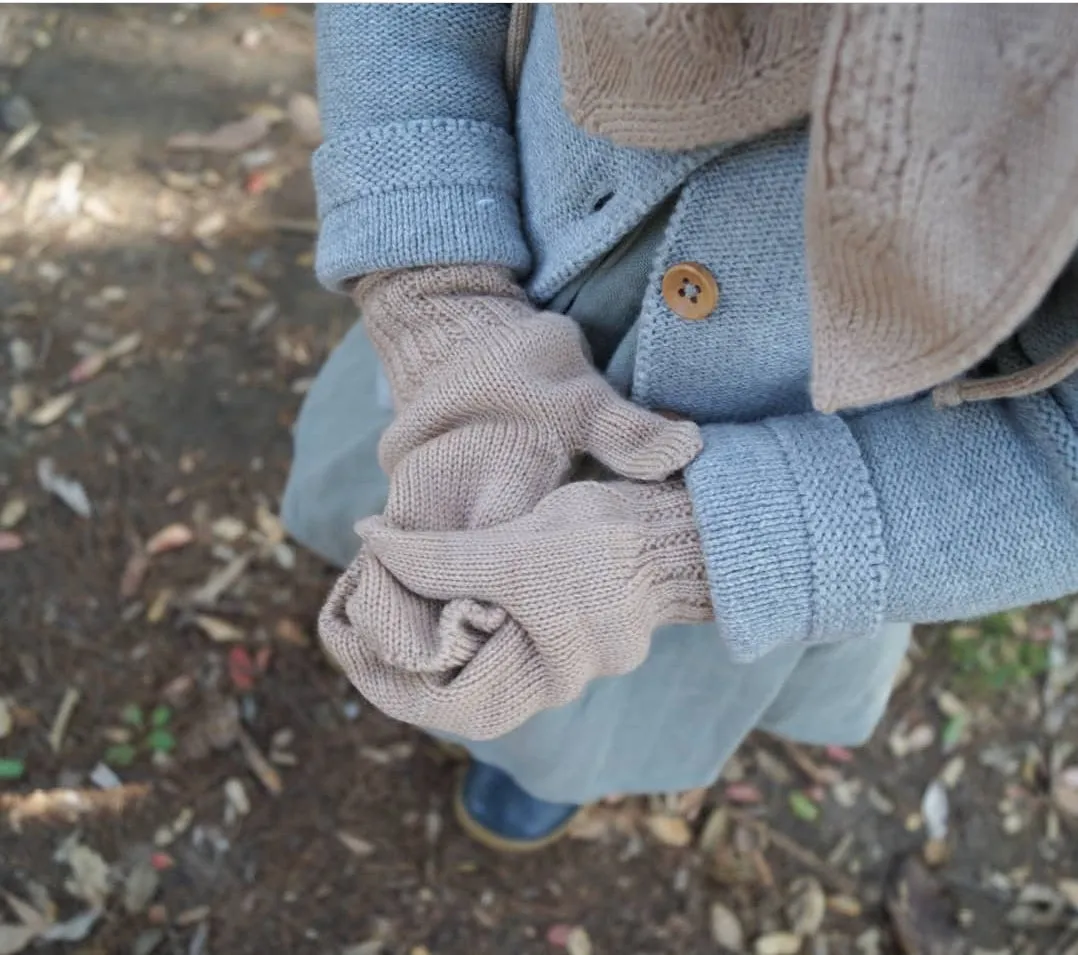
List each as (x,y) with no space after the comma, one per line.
(942,193)
(683,75)
(534,609)
(497,402)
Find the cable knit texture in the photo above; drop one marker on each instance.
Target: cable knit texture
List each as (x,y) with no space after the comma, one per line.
(493,643)
(685,75)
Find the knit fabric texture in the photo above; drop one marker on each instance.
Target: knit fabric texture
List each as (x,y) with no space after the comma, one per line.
(815,527)
(495,401)
(494,644)
(685,75)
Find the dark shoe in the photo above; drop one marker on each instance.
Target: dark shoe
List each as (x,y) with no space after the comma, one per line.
(500,815)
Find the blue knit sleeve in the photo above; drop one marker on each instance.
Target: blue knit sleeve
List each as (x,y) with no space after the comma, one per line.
(817,528)
(418,165)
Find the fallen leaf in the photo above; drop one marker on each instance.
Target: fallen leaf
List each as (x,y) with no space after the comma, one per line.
(578,942)
(218,729)
(288,631)
(22,355)
(241,669)
(15,938)
(26,913)
(218,630)
(807,906)
(1065,791)
(726,929)
(67,490)
(934,810)
(209,225)
(355,845)
(374,946)
(773,768)
(73,929)
(743,793)
(229,529)
(260,766)
(234,137)
(134,573)
(903,743)
(845,905)
(155,613)
(52,410)
(198,913)
(13,511)
(269,524)
(1068,888)
(236,796)
(670,830)
(6,720)
(140,886)
(63,717)
(88,367)
(10,541)
(952,772)
(778,943)
(220,581)
(172,537)
(202,263)
(803,807)
(303,112)
(89,875)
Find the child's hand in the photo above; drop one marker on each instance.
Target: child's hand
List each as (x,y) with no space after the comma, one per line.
(473,632)
(496,401)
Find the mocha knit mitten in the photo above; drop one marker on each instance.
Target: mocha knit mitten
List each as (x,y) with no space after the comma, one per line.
(472,632)
(496,400)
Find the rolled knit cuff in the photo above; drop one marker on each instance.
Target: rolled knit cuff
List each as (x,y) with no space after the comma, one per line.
(420,193)
(791,532)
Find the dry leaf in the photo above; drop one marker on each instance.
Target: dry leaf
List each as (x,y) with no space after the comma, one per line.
(26,913)
(355,845)
(74,929)
(269,524)
(845,905)
(70,492)
(726,928)
(1068,888)
(773,768)
(140,886)
(288,631)
(714,831)
(903,743)
(6,720)
(934,810)
(10,541)
(778,943)
(159,606)
(303,112)
(1065,791)
(220,581)
(202,263)
(134,573)
(229,529)
(15,938)
(578,942)
(172,537)
(1039,906)
(670,830)
(52,410)
(89,875)
(218,630)
(807,906)
(88,367)
(63,717)
(218,729)
(13,511)
(238,803)
(260,766)
(374,946)
(232,137)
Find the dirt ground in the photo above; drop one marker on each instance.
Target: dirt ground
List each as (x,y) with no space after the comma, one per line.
(182,773)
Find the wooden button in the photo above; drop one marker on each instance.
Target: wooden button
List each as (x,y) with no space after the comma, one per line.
(690,290)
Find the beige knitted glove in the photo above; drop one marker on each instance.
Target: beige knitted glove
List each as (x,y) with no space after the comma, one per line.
(536,607)
(496,400)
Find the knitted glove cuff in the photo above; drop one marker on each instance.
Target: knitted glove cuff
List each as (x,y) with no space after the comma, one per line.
(671,555)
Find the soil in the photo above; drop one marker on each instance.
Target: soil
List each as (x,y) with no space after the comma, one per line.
(106,231)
